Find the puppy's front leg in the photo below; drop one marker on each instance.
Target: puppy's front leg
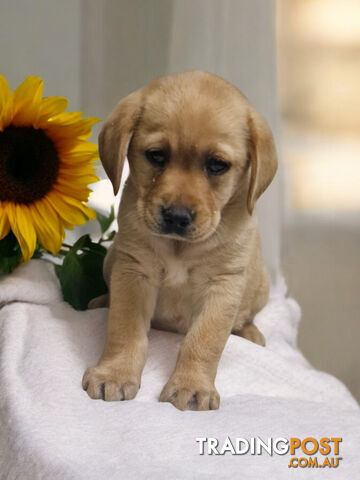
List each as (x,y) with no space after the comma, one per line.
(132,302)
(191,386)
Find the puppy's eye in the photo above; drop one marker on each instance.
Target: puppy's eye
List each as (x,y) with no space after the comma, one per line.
(156,157)
(215,166)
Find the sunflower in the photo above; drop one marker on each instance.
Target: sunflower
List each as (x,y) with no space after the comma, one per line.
(46,165)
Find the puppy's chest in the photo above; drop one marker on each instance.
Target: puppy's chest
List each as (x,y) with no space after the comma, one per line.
(175,272)
(178,296)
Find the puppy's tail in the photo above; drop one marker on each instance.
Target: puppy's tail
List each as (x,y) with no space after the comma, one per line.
(99,302)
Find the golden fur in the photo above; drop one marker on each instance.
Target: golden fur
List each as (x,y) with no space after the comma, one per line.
(211,282)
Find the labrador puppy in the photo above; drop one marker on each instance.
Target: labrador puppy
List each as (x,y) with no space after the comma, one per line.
(187,256)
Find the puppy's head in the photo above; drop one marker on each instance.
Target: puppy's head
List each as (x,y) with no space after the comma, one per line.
(194,145)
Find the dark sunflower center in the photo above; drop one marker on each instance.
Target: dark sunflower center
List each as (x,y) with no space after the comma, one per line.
(28,164)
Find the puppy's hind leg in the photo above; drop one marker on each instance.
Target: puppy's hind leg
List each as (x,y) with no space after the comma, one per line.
(251,333)
(99,302)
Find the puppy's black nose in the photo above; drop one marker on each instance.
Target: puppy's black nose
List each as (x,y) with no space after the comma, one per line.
(176,219)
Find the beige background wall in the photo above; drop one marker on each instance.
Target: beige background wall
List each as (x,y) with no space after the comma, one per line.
(43,37)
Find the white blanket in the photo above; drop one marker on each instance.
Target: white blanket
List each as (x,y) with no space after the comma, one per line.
(51,429)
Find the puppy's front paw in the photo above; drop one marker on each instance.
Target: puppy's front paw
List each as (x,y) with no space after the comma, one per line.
(109,384)
(190,395)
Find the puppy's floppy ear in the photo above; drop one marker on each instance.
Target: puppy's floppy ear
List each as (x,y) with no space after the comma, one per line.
(116,134)
(263,159)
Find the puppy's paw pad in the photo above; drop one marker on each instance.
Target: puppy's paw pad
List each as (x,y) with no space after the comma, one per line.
(109,384)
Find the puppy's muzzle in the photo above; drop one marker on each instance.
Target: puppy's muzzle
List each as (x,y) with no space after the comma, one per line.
(176,220)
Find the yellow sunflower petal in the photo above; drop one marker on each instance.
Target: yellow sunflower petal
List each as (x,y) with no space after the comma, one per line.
(81,194)
(4,223)
(53,217)
(27,101)
(71,162)
(87,211)
(78,175)
(50,237)
(71,145)
(70,209)
(50,107)
(66,118)
(6,104)
(82,149)
(73,172)
(69,132)
(23,229)
(77,149)
(85,147)
(81,180)
(75,185)
(86,135)
(72,118)
(46,211)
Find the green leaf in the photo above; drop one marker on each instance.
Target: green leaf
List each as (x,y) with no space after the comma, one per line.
(81,274)
(10,253)
(81,242)
(110,236)
(105,221)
